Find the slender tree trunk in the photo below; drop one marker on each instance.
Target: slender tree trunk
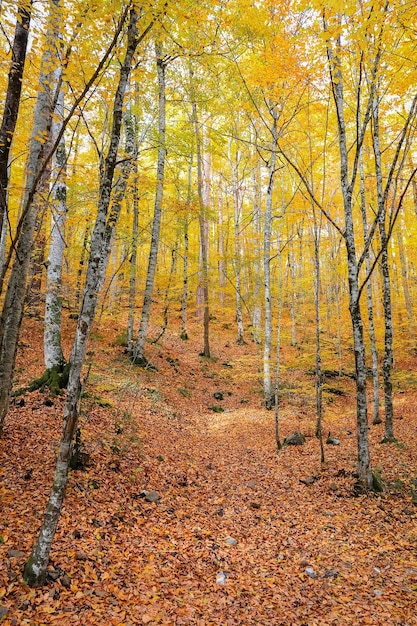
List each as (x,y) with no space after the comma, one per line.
(80,271)
(53,354)
(268,393)
(138,356)
(319,374)
(386,282)
(375,369)
(184,305)
(221,247)
(293,296)
(278,361)
(12,313)
(363,460)
(257,308)
(167,295)
(202,221)
(133,261)
(237,206)
(408,301)
(35,569)
(12,102)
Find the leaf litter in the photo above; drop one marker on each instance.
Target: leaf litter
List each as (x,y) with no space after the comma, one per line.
(230,534)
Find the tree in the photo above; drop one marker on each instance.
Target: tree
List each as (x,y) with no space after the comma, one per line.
(138,354)
(54,358)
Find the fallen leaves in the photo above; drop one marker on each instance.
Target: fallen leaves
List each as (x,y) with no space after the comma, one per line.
(131,561)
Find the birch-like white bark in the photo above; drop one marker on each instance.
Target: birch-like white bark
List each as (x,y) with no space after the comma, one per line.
(53,354)
(268,391)
(138,355)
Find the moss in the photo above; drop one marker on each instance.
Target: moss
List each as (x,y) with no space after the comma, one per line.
(142,361)
(55,379)
(377,481)
(29,576)
(389,440)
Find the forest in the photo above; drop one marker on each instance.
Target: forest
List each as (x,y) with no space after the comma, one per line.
(208,287)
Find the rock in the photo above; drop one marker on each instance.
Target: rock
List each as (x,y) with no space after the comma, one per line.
(330,573)
(378,592)
(252,484)
(221,578)
(152,496)
(66,581)
(15,554)
(255,505)
(230,541)
(309,480)
(332,441)
(297,439)
(218,395)
(310,572)
(3,611)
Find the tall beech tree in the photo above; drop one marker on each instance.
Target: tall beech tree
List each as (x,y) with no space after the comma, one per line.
(138,355)
(53,355)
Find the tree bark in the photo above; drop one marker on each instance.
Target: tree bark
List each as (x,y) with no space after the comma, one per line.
(268,391)
(138,356)
(202,221)
(257,307)
(237,209)
(386,281)
(53,354)
(12,102)
(374,353)
(363,460)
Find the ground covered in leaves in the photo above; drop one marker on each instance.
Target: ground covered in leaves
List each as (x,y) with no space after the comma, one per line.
(184,512)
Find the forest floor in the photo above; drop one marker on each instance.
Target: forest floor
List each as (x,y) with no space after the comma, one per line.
(235,537)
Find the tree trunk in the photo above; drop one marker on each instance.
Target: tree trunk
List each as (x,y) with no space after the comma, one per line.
(278,361)
(363,460)
(237,209)
(408,300)
(268,392)
(386,283)
(12,102)
(221,246)
(133,261)
(202,221)
(184,304)
(257,308)
(138,356)
(375,373)
(35,569)
(53,354)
